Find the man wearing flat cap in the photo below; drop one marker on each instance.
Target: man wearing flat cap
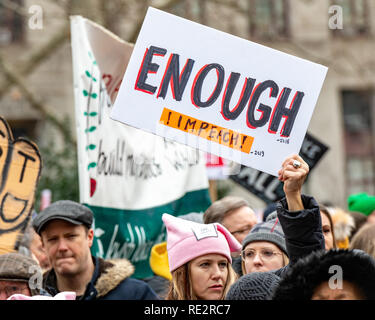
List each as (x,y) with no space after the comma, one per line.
(67,236)
(19,274)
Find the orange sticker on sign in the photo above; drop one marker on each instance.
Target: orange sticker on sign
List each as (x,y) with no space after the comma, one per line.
(206,130)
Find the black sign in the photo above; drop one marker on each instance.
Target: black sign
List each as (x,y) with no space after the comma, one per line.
(270,188)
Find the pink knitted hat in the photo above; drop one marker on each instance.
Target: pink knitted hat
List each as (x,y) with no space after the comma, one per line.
(187,240)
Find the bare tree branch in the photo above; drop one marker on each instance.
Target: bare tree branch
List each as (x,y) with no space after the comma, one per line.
(37,57)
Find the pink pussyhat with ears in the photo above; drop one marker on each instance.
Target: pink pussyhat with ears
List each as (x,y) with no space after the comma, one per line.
(187,240)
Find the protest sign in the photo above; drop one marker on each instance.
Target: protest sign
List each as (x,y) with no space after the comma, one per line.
(216,92)
(128,177)
(267,187)
(20,168)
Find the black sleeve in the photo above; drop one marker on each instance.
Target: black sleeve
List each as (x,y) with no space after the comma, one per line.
(302,229)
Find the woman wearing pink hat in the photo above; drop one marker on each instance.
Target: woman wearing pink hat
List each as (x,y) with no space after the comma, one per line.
(199,259)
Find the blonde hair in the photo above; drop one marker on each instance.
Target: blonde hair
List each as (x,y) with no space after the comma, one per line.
(364,239)
(180,288)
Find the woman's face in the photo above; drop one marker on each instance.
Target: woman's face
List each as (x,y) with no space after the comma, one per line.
(209,275)
(327,231)
(262,256)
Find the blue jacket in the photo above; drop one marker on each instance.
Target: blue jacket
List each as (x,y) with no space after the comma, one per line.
(110,281)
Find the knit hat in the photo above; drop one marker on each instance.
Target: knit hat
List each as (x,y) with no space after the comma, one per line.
(309,272)
(361,202)
(67,210)
(254,286)
(159,260)
(269,231)
(187,240)
(18,267)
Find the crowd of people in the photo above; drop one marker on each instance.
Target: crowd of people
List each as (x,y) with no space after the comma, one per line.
(302,250)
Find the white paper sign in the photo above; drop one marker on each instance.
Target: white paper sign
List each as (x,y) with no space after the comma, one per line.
(217,92)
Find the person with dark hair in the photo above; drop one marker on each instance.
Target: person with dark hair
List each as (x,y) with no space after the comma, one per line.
(67,236)
(327,228)
(337,274)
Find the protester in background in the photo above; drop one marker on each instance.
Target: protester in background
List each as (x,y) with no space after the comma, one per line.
(254,286)
(365,239)
(19,274)
(36,248)
(310,278)
(200,259)
(328,228)
(264,249)
(364,203)
(343,224)
(359,220)
(65,229)
(234,213)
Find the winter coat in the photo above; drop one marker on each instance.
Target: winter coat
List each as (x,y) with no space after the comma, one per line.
(110,281)
(302,230)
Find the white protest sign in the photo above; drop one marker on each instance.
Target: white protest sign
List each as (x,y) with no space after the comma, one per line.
(217,92)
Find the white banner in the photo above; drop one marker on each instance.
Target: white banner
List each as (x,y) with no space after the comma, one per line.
(120,166)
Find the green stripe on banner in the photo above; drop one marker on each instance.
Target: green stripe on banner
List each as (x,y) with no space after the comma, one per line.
(131,234)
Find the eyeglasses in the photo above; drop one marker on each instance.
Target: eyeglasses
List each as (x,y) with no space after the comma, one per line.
(264,254)
(10,290)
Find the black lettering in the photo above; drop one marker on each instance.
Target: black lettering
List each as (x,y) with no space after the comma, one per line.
(225,140)
(198,83)
(212,129)
(289,113)
(266,110)
(227,96)
(204,125)
(172,74)
(146,67)
(27,157)
(189,122)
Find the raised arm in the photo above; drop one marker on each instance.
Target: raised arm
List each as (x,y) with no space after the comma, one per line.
(299,215)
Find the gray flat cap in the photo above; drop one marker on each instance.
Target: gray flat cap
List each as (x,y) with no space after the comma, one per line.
(67,210)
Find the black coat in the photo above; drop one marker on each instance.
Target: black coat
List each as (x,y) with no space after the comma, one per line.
(302,230)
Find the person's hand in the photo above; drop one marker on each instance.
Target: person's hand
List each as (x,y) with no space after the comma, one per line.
(293,177)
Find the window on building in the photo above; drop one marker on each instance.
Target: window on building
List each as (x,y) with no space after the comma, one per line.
(268,19)
(355,18)
(11,23)
(359,137)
